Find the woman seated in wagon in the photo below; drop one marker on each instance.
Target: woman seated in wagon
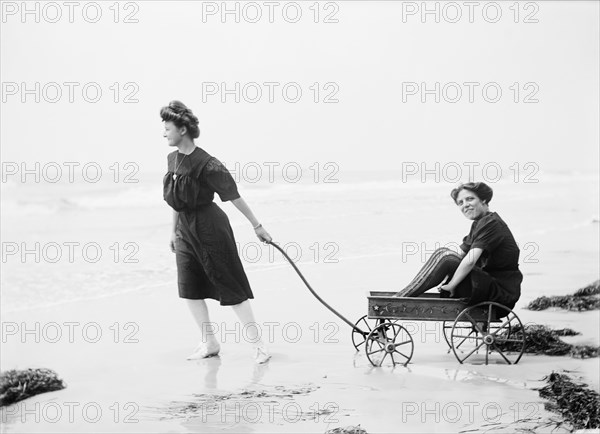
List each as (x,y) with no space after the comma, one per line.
(487,267)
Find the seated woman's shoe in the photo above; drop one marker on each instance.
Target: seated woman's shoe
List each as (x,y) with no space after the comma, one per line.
(445,294)
(204,351)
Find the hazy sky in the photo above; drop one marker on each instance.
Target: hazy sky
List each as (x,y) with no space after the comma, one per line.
(375,61)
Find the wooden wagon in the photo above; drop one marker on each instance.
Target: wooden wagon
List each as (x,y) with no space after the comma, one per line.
(485,330)
(481,332)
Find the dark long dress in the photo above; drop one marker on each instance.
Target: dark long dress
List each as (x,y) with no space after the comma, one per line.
(496,276)
(208,264)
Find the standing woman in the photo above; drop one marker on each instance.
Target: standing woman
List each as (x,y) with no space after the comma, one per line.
(208,265)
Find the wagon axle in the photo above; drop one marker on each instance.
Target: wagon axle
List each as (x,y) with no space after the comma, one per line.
(488,339)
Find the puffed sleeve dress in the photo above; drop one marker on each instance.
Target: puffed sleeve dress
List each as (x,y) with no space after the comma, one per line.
(496,276)
(208,264)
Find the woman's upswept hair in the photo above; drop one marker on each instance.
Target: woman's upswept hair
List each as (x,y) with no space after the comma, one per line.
(481,190)
(181,116)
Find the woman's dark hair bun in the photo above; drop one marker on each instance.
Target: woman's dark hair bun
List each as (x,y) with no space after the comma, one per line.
(178,113)
(481,190)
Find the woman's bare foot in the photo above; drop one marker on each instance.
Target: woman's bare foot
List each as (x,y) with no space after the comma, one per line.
(204,351)
(262,354)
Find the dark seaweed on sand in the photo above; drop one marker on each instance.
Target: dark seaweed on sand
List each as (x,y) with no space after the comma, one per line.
(591,289)
(16,385)
(584,351)
(202,402)
(347,430)
(577,403)
(540,339)
(565,332)
(587,298)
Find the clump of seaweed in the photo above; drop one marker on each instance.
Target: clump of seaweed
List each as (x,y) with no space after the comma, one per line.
(577,403)
(229,401)
(565,332)
(591,289)
(347,430)
(587,298)
(540,339)
(584,351)
(16,385)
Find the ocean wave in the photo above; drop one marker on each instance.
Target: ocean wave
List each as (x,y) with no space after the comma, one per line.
(22,305)
(566,228)
(43,199)
(139,196)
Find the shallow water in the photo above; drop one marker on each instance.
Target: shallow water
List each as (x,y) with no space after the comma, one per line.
(69,241)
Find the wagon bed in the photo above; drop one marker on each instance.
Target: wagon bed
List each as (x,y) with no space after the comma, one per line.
(427,307)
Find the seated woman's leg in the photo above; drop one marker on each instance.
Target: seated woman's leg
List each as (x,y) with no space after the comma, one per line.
(464,288)
(443,262)
(486,288)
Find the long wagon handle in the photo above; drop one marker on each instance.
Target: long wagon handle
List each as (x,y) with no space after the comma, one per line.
(342,317)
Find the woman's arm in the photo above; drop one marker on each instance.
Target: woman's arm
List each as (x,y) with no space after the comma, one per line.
(175,218)
(464,268)
(243,207)
(174,228)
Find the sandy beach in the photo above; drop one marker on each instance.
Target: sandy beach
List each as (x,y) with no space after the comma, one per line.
(119,385)
(345,125)
(123,356)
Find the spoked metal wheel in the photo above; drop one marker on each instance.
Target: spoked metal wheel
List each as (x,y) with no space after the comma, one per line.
(366,325)
(468,332)
(390,343)
(488,334)
(465,329)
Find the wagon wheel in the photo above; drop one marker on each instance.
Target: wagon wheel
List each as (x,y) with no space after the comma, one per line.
(389,339)
(467,330)
(366,326)
(506,337)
